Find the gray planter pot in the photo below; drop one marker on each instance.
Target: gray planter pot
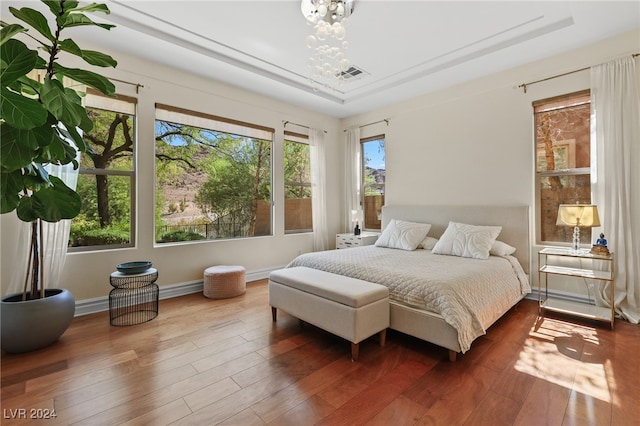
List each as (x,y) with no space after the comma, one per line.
(34,324)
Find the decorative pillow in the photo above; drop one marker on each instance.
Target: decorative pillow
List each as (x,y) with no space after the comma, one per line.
(501,249)
(460,239)
(403,235)
(428,243)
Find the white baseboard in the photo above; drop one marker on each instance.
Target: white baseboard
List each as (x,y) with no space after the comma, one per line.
(101,304)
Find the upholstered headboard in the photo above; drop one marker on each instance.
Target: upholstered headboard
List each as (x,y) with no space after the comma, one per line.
(513,219)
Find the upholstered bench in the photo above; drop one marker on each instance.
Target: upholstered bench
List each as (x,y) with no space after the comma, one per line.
(347,307)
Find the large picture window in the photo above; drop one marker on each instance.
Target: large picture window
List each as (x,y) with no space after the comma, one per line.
(213,177)
(106,180)
(563,159)
(373,180)
(297,184)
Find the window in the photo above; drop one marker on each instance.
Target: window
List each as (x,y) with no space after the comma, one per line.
(563,159)
(297,184)
(373,178)
(106,180)
(213,177)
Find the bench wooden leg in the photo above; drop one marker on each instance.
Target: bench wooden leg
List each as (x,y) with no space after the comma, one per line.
(355,351)
(274,313)
(452,355)
(383,337)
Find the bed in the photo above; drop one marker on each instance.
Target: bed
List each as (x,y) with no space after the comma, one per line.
(443,299)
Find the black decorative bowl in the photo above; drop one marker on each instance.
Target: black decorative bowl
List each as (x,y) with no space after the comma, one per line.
(133,267)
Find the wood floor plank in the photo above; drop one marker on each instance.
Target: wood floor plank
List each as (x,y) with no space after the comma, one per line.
(279,403)
(545,404)
(402,411)
(368,403)
(208,362)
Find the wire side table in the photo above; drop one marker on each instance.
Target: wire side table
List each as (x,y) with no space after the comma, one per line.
(134,297)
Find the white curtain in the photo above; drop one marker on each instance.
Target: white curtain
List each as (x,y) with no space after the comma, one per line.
(351,176)
(615,103)
(55,238)
(318,189)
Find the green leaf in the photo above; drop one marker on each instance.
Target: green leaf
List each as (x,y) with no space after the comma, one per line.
(90,56)
(54,6)
(61,151)
(78,19)
(70,46)
(98,59)
(18,148)
(34,19)
(27,209)
(9,31)
(11,184)
(58,102)
(17,60)
(20,111)
(94,7)
(72,135)
(56,202)
(89,78)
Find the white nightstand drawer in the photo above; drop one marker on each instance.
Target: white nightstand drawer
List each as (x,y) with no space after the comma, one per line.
(350,240)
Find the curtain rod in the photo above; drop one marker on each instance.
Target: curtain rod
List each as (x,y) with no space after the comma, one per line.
(284,123)
(386,120)
(524,85)
(138,85)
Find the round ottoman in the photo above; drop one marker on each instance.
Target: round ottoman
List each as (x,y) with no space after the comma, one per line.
(224,281)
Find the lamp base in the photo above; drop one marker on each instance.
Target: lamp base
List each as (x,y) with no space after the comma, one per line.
(575,246)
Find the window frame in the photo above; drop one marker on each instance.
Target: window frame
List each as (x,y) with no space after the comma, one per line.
(292,137)
(560,103)
(132,174)
(221,125)
(364,186)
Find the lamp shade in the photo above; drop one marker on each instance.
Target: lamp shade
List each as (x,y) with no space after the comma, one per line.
(585,215)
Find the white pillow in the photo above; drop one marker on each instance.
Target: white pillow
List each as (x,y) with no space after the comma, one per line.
(428,243)
(403,235)
(501,249)
(460,239)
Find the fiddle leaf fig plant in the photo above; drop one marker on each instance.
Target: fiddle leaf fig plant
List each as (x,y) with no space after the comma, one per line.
(41,117)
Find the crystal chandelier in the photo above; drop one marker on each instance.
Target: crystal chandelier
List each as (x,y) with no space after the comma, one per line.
(328,61)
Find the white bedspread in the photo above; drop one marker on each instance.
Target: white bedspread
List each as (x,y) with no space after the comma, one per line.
(470,294)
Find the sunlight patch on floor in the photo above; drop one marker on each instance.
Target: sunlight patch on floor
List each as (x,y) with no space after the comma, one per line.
(566,354)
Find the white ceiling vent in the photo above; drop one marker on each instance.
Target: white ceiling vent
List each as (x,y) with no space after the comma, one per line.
(353,73)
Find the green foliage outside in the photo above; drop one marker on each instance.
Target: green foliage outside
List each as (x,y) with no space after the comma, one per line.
(234,174)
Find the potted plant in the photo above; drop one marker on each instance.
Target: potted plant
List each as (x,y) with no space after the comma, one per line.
(41,123)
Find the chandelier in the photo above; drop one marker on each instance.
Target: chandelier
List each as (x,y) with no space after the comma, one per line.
(328,43)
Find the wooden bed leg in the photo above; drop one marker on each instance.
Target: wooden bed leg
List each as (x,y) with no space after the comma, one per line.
(274,313)
(452,355)
(383,337)
(355,350)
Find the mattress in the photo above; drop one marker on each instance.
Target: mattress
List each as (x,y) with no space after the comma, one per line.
(469,294)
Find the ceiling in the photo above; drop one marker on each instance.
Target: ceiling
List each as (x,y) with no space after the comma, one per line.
(405,48)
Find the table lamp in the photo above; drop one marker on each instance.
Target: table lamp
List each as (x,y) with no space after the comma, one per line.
(578,215)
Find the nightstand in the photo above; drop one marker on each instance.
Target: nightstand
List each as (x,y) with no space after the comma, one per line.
(348,240)
(547,261)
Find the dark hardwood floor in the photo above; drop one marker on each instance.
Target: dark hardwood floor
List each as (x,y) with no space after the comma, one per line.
(206,362)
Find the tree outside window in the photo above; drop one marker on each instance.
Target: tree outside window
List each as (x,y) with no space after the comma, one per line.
(106,179)
(213,177)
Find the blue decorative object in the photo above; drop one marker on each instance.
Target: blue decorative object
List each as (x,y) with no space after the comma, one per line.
(133,267)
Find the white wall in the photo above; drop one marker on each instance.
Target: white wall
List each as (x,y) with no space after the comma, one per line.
(86,274)
(473,143)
